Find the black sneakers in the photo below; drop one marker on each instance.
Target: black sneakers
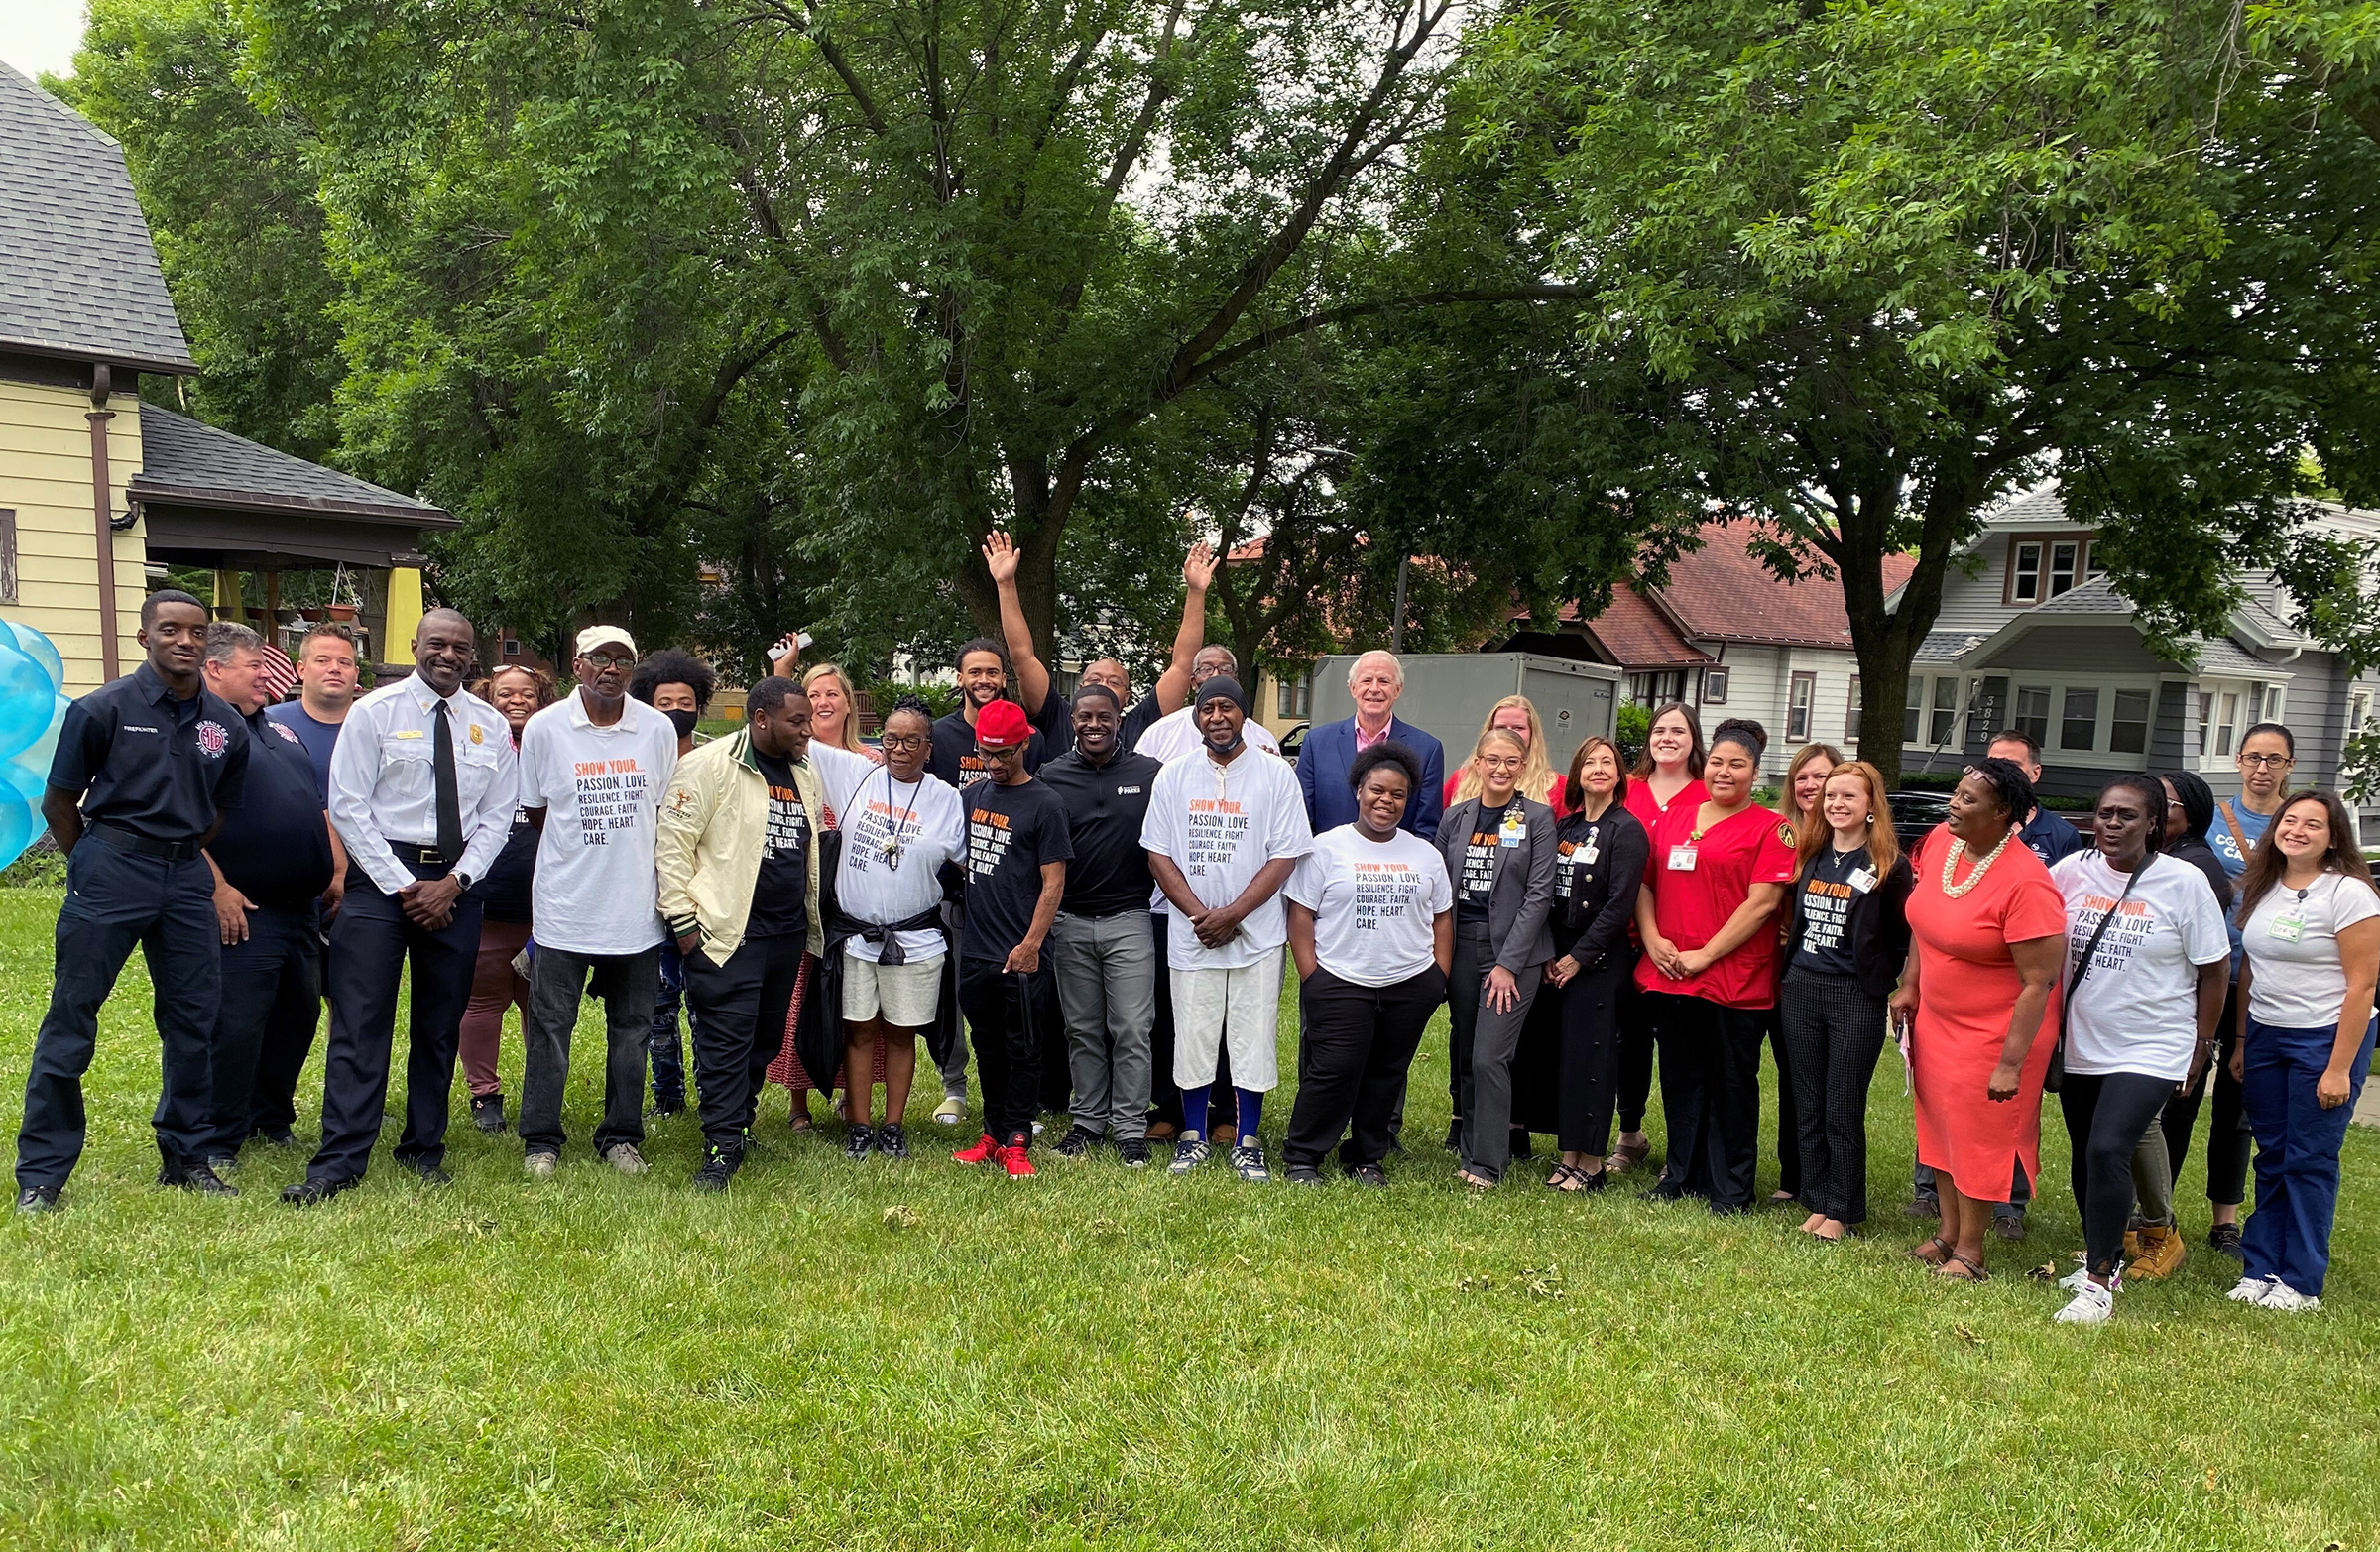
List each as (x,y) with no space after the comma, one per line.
(717,1170)
(892,1141)
(1077,1143)
(860,1143)
(1304,1174)
(1132,1152)
(38,1199)
(2224,1240)
(315,1189)
(487,1113)
(199,1177)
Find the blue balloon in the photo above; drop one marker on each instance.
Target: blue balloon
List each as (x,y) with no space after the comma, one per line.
(20,823)
(38,756)
(27,698)
(41,649)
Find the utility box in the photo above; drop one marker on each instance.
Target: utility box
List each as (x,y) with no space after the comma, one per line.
(1447,697)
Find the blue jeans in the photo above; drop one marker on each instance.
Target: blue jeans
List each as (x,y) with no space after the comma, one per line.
(661,1044)
(2287,1236)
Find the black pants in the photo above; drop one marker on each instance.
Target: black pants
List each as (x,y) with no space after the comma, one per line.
(268,978)
(1709,1098)
(2106,1115)
(117,900)
(1355,1045)
(1638,1037)
(1008,1017)
(370,946)
(1835,1033)
(1789,1152)
(289,1041)
(1590,1044)
(2228,1139)
(557,979)
(739,1026)
(1166,1100)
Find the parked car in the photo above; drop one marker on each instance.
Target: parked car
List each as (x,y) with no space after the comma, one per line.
(1915,814)
(1294,740)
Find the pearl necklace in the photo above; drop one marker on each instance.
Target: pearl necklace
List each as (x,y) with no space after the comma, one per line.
(1950,865)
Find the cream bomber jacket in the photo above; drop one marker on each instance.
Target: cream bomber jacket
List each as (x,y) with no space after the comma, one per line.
(708,849)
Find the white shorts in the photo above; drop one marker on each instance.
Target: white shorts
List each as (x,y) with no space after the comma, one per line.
(903,996)
(1241,1006)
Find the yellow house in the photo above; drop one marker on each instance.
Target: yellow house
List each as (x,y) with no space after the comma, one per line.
(97,488)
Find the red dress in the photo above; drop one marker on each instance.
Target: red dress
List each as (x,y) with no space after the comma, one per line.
(1966,988)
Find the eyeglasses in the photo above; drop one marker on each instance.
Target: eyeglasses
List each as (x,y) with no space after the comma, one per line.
(902,740)
(1498,763)
(610,659)
(2268,761)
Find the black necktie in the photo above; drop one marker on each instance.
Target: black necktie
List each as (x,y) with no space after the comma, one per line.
(450,802)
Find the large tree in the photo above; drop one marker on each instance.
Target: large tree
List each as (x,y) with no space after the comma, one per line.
(1883,264)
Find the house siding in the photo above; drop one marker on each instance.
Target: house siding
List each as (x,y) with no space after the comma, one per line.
(46,479)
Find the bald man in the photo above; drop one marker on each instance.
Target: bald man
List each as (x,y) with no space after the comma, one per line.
(423,786)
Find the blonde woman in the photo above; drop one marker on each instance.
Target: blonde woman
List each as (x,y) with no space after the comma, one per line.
(1539,781)
(835,710)
(1805,778)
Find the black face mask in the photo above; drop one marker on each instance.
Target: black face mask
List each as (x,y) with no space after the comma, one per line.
(683,721)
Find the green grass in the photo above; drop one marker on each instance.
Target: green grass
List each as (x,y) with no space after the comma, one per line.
(1099,1356)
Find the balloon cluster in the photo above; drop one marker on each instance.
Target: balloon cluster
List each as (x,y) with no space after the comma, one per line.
(33,708)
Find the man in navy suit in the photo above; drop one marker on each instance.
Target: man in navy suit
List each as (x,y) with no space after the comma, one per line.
(1376,681)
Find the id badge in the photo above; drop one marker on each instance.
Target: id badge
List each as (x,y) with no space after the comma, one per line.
(1514,830)
(1861,881)
(1680,857)
(1589,851)
(2288,928)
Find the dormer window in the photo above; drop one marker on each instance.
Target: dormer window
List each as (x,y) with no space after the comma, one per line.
(2042,566)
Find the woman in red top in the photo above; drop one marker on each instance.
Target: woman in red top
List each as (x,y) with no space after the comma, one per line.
(1667,773)
(1978,1005)
(1711,888)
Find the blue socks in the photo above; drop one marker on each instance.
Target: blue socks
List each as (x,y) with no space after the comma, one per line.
(1194,1110)
(1252,1110)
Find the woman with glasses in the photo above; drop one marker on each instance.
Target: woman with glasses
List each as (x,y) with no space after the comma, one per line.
(1499,850)
(1977,1007)
(899,826)
(2311,920)
(1667,771)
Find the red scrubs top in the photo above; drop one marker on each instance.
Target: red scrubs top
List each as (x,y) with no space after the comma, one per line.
(1691,906)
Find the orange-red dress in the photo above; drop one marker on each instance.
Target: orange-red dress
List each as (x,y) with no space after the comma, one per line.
(1966,989)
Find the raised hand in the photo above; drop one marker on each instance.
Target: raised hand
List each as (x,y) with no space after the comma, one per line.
(1198,567)
(1000,557)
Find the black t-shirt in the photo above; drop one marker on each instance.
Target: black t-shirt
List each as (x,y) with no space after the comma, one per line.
(157,767)
(1105,807)
(1829,886)
(1482,856)
(1055,723)
(275,847)
(1011,832)
(1138,719)
(955,760)
(781,894)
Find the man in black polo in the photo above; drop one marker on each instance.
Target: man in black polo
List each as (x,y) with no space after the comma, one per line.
(273,858)
(145,768)
(1106,963)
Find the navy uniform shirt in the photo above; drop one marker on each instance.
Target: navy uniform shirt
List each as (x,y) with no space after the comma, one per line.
(275,847)
(1106,807)
(319,737)
(142,760)
(2049,837)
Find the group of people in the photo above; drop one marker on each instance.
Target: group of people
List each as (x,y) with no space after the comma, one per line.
(1093,895)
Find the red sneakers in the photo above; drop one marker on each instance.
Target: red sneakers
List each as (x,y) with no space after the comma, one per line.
(984,1151)
(1014,1159)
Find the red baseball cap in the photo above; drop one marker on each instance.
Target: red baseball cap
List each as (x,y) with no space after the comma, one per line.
(1001,724)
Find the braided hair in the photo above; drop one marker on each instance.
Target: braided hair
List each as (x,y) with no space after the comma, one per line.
(2010,785)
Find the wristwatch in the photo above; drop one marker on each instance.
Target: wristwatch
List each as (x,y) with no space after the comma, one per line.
(463,880)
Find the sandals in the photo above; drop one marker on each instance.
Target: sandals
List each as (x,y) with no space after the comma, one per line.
(1627,1155)
(1965,1269)
(1475,1183)
(1570,1178)
(1933,1252)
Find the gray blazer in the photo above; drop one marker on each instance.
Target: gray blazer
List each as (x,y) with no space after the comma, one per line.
(1519,909)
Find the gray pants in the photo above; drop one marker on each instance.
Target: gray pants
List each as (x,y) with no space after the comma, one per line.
(1482,1044)
(2152,1178)
(1108,988)
(557,978)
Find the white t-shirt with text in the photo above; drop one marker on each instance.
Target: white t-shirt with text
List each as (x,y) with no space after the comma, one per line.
(1221,824)
(2299,981)
(1374,903)
(2137,1008)
(595,890)
(874,810)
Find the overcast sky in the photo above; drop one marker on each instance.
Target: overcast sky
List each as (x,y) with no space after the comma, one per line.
(40,35)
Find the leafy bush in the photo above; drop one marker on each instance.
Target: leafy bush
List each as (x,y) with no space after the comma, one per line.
(42,867)
(1631,728)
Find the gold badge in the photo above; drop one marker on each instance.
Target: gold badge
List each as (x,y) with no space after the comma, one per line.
(479,735)
(1784,831)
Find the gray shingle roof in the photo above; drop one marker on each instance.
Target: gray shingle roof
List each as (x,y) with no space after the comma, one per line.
(78,276)
(192,464)
(2096,596)
(1945,646)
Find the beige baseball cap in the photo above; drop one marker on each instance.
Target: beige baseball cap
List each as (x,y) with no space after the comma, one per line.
(595,636)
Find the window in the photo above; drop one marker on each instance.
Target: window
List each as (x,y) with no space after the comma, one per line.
(2227,723)
(2024,575)
(1714,686)
(1295,697)
(2078,723)
(2128,729)
(1850,718)
(2359,711)
(1916,708)
(2090,561)
(2272,703)
(1657,690)
(2033,712)
(512,646)
(8,557)
(2206,721)
(1946,710)
(1797,710)
(2066,563)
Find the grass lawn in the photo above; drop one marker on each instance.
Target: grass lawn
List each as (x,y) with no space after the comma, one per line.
(1113,1358)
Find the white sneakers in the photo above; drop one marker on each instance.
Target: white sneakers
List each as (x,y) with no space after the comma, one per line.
(2091,1306)
(2273,1293)
(624,1157)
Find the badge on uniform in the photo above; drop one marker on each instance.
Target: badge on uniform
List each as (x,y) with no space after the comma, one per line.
(2289,929)
(479,735)
(408,733)
(1680,857)
(1861,881)
(1515,827)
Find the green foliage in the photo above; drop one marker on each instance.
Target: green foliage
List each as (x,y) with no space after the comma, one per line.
(1632,726)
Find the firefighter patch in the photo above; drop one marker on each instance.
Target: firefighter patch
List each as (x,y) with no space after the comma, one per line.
(212,738)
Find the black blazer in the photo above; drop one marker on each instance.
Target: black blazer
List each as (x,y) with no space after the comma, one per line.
(1519,915)
(1878,925)
(1591,925)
